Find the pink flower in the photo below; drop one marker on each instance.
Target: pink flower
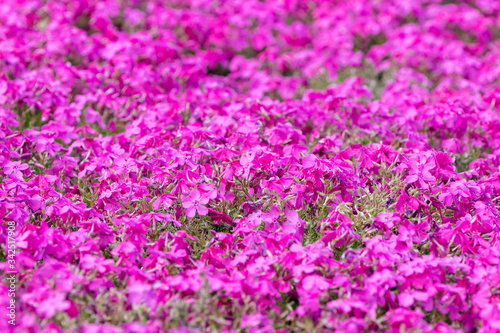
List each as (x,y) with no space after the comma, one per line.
(195,203)
(15,169)
(386,220)
(294,225)
(139,292)
(166,199)
(47,145)
(453,146)
(46,302)
(314,284)
(420,171)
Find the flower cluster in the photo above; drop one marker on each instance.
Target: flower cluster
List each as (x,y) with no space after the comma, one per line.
(256,166)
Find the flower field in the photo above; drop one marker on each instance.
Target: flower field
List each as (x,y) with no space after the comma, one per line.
(250,166)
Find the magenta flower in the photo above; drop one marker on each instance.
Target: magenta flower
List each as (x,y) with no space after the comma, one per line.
(420,171)
(386,220)
(15,169)
(347,201)
(195,203)
(139,292)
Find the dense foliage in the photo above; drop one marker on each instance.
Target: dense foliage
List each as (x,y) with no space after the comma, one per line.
(251,166)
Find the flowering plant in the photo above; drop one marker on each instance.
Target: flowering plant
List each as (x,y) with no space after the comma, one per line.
(258,166)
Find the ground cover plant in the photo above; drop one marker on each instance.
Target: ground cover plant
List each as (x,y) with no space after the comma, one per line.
(250,166)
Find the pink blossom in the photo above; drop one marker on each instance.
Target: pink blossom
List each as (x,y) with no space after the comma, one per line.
(195,203)
(420,171)
(343,158)
(15,169)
